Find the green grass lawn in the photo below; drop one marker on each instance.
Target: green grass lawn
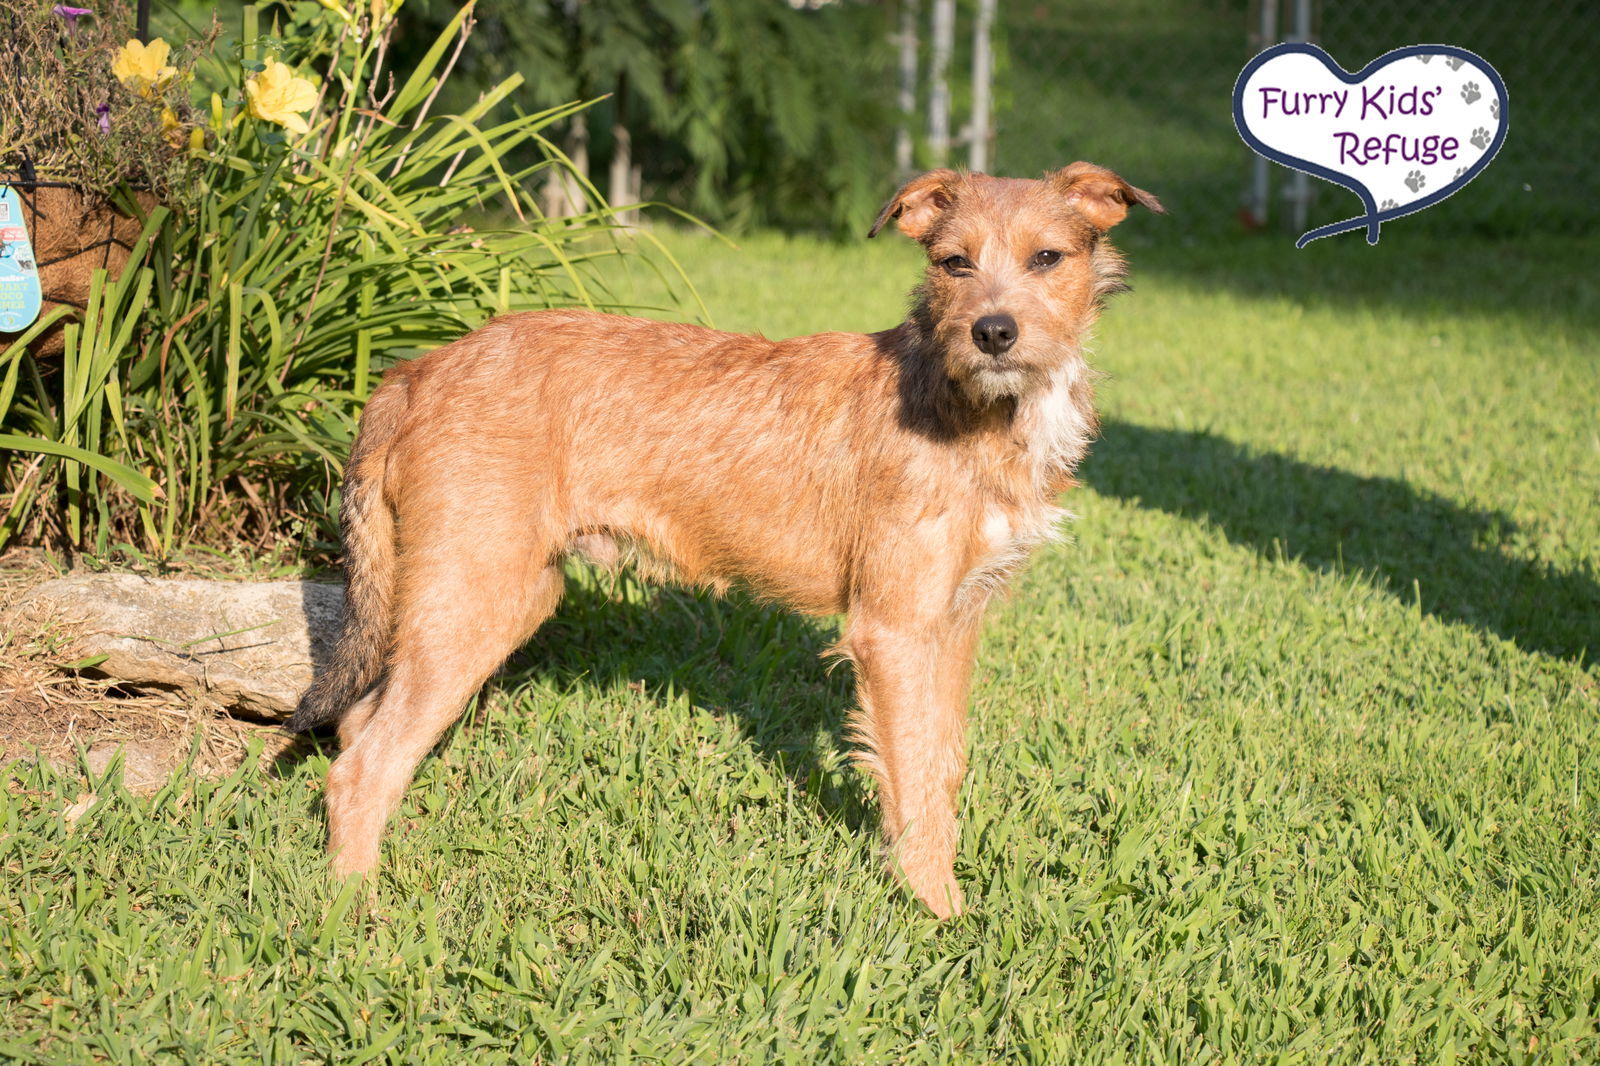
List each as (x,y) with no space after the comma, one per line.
(1288,753)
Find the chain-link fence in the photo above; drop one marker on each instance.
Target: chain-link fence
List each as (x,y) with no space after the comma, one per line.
(1145,87)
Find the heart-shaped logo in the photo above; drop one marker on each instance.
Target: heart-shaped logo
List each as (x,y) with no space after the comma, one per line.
(1409,129)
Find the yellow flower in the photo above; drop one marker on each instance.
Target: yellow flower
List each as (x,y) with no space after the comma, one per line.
(277,95)
(172,129)
(339,9)
(383,12)
(143,67)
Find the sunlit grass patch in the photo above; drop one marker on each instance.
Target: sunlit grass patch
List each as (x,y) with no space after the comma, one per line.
(1288,752)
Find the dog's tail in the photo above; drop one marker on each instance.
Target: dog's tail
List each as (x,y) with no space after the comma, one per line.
(367,525)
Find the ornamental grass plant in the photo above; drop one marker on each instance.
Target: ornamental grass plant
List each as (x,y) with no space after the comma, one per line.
(331,222)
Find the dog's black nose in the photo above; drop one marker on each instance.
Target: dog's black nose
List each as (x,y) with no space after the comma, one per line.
(995,334)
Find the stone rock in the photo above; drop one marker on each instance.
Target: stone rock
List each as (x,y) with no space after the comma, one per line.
(147,762)
(252,646)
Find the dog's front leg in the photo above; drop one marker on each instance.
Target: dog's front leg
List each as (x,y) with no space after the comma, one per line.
(912,684)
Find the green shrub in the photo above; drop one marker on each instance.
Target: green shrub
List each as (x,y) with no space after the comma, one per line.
(211,393)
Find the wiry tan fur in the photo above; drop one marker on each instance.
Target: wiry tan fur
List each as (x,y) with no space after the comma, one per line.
(898,478)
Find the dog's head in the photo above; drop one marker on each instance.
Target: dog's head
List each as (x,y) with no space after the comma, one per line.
(1016,269)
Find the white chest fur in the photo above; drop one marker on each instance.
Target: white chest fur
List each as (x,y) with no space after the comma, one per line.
(1009,536)
(1056,424)
(1055,428)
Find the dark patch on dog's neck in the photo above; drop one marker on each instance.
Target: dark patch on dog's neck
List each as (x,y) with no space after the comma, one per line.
(931,402)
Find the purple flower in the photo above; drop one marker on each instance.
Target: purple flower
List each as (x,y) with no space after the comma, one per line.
(104,111)
(72,14)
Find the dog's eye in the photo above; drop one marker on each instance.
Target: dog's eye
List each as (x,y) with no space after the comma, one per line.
(957,265)
(1045,260)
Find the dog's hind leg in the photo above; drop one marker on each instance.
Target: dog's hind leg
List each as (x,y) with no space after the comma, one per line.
(460,614)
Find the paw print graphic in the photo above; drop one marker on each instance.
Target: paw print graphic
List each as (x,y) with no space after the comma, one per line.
(1469,92)
(1426,59)
(1459,171)
(1494,108)
(1387,204)
(1415,181)
(1480,138)
(1454,62)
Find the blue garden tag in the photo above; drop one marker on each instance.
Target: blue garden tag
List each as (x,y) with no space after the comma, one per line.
(20,295)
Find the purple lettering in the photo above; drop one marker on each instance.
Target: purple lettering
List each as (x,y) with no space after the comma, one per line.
(1421,150)
(1370,101)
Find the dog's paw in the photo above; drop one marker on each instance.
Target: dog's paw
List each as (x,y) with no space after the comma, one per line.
(943,899)
(932,882)
(1470,93)
(1480,138)
(1454,63)
(1494,108)
(1387,204)
(1416,180)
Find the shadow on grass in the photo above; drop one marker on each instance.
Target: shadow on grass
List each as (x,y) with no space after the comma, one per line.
(1407,539)
(733,656)
(760,665)
(1543,282)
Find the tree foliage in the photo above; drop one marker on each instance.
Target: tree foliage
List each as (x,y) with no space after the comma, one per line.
(743,111)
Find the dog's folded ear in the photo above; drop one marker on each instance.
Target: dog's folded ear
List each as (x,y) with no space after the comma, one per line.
(918,203)
(1099,195)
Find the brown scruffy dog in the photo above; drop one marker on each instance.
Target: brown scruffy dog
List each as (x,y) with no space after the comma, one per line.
(898,478)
